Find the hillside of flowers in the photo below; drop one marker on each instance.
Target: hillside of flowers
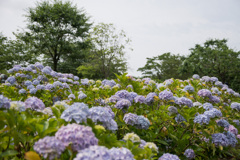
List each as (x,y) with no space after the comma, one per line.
(49,115)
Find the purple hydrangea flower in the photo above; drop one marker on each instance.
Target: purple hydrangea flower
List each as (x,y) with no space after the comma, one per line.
(206,79)
(212,113)
(179,118)
(36,82)
(165,95)
(233,130)
(142,144)
(78,136)
(214,99)
(201,119)
(84,81)
(121,153)
(111,83)
(220,139)
(142,123)
(77,112)
(47,70)
(40,87)
(183,101)
(172,109)
(123,104)
(33,91)
(139,99)
(189,89)
(49,87)
(49,147)
(235,106)
(130,119)
(27,83)
(81,95)
(223,123)
(150,98)
(94,153)
(57,84)
(114,98)
(4,102)
(11,80)
(195,76)
(168,156)
(30,87)
(39,65)
(75,78)
(207,106)
(123,94)
(213,79)
(204,93)
(104,116)
(219,84)
(131,96)
(189,153)
(34,103)
(232,141)
(22,91)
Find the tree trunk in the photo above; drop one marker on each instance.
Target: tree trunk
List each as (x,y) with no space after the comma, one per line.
(55,64)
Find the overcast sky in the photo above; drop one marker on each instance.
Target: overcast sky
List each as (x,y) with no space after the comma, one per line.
(154,26)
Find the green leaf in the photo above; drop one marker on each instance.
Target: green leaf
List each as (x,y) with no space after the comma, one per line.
(8,153)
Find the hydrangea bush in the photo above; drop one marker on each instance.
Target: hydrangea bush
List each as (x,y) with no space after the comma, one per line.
(51,115)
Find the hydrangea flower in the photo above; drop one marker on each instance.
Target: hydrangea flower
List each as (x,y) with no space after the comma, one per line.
(214,79)
(189,89)
(123,104)
(49,87)
(84,81)
(142,123)
(179,118)
(236,122)
(207,106)
(152,146)
(77,112)
(204,93)
(131,96)
(78,136)
(34,103)
(212,113)
(206,79)
(223,123)
(11,80)
(121,154)
(63,105)
(111,83)
(214,99)
(94,153)
(168,156)
(57,84)
(18,106)
(132,137)
(103,115)
(130,119)
(189,153)
(232,129)
(33,91)
(165,95)
(30,87)
(197,104)
(172,109)
(114,98)
(232,141)
(22,91)
(150,98)
(201,119)
(183,101)
(123,94)
(40,87)
(47,111)
(81,95)
(142,144)
(219,84)
(196,76)
(235,106)
(71,96)
(36,82)
(139,99)
(27,83)
(49,147)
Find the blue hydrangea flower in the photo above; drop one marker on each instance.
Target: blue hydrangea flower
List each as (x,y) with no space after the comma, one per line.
(114,98)
(94,153)
(40,87)
(49,87)
(223,123)
(81,95)
(11,80)
(201,119)
(183,101)
(123,94)
(197,104)
(4,102)
(150,98)
(111,83)
(30,87)
(75,78)
(172,109)
(196,76)
(130,119)
(207,106)
(22,91)
(179,118)
(36,82)
(49,147)
(214,99)
(33,91)
(213,79)
(84,81)
(189,153)
(57,84)
(27,83)
(220,139)
(131,96)
(121,153)
(77,112)
(235,106)
(165,95)
(142,123)
(206,79)
(34,103)
(189,89)
(71,96)
(212,113)
(168,156)
(219,84)
(123,104)
(47,70)
(78,136)
(139,99)
(104,116)
(204,93)
(39,65)
(232,141)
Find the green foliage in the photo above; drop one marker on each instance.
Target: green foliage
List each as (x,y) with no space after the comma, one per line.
(163,67)
(214,58)
(106,56)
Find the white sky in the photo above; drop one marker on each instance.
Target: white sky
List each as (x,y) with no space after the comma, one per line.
(154,26)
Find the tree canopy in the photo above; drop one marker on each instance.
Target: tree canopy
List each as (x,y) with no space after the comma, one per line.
(107,54)
(56,30)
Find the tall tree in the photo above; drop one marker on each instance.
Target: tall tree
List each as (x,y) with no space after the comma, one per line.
(107,55)
(162,67)
(214,58)
(57,30)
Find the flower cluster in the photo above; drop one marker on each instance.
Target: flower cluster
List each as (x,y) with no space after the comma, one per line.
(168,156)
(183,101)
(139,122)
(165,95)
(204,93)
(189,153)
(4,102)
(34,103)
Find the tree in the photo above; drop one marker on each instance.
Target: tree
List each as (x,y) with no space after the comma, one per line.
(107,54)
(162,67)
(56,30)
(214,58)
